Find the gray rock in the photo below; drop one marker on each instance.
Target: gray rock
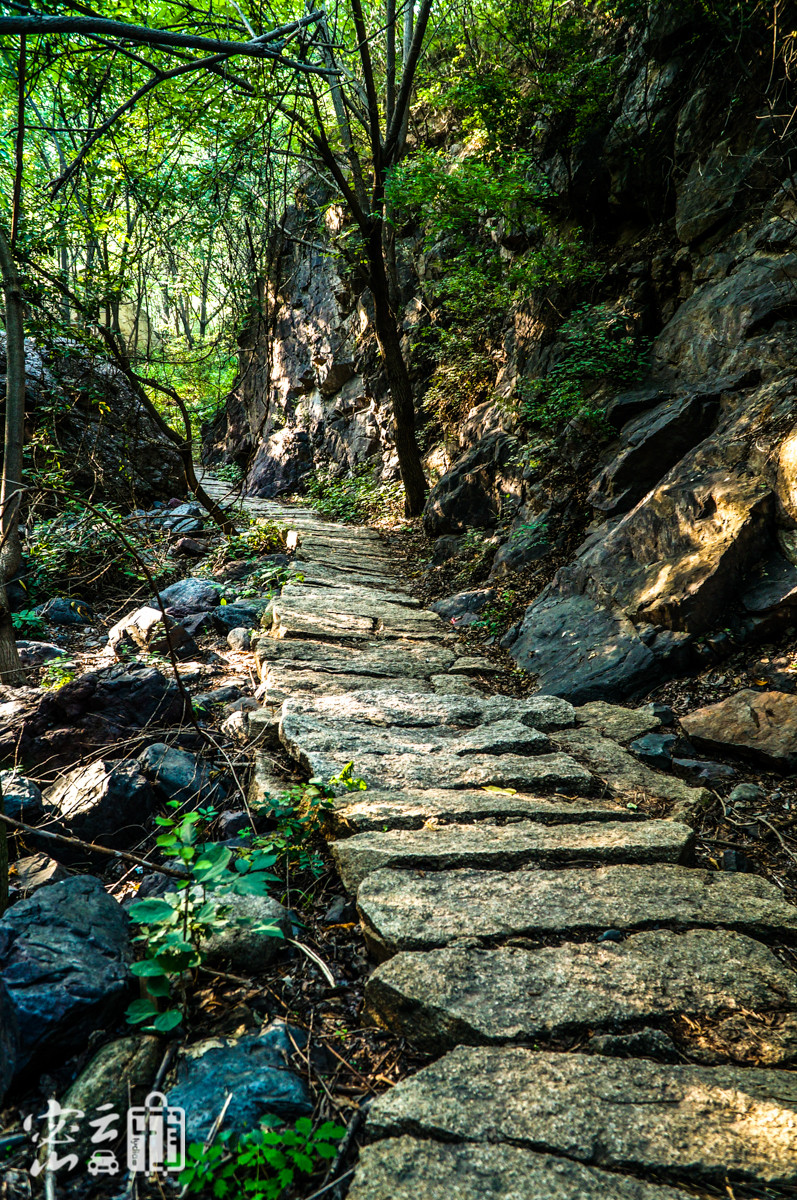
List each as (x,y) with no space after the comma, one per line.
(708,772)
(619,724)
(239,615)
(190,595)
(470,493)
(257,1069)
(403,910)
(582,650)
(120,1074)
(774,588)
(656,749)
(64,957)
(696,1123)
(145,629)
(34,871)
(746,793)
(21,797)
(60,611)
(391,659)
(244,943)
(220,695)
(643,1043)
(238,638)
(509,847)
(482,997)
(107,802)
(445,548)
(463,602)
(177,775)
(709,192)
(34,654)
(406,1169)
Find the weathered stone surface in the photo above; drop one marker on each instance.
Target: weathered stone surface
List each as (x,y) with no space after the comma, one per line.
(64,957)
(145,629)
(544,713)
(281,684)
(257,1069)
(120,1074)
(407,910)
(380,810)
(461,603)
(190,595)
(355,613)
(406,1168)
(761,724)
(510,847)
(696,1123)
(177,775)
(252,932)
(582,650)
(480,997)
(710,189)
(21,797)
(624,774)
(410,659)
(470,494)
(33,871)
(613,721)
(774,586)
(107,802)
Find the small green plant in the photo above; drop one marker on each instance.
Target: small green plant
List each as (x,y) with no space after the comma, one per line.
(175,925)
(263,1163)
(495,617)
(299,813)
(27,621)
(599,345)
(57,673)
(357,497)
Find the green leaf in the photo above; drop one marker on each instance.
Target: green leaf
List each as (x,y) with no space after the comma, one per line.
(148,968)
(166,1021)
(149,912)
(140,1010)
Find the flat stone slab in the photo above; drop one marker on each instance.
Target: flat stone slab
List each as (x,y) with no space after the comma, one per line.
(372,658)
(510,847)
(383,810)
(760,724)
(710,1124)
(624,774)
(615,722)
(539,712)
(408,910)
(280,684)
(410,1169)
(300,610)
(481,997)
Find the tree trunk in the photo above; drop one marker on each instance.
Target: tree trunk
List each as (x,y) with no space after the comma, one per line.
(11,671)
(389,340)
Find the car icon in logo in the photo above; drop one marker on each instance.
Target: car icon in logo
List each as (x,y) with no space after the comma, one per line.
(103,1162)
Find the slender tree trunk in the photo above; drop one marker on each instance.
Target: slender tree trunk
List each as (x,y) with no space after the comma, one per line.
(389,339)
(11,671)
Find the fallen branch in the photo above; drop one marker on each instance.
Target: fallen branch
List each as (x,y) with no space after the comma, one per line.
(79,844)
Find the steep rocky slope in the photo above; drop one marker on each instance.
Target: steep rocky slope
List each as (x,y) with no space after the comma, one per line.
(684,499)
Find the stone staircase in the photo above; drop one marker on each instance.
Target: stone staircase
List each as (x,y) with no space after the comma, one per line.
(609,1021)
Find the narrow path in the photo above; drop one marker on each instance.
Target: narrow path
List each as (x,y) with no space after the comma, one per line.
(610,1021)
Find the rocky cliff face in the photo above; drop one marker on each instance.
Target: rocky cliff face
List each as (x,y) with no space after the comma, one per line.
(688,507)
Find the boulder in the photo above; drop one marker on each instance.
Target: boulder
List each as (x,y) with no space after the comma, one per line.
(61,611)
(97,709)
(107,802)
(35,654)
(239,639)
(446,547)
(761,725)
(470,494)
(64,956)
(189,596)
(120,1075)
(34,871)
(256,1069)
(774,587)
(245,942)
(462,603)
(21,797)
(177,775)
(239,615)
(145,629)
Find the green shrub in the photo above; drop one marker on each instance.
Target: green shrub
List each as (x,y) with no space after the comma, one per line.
(357,497)
(599,345)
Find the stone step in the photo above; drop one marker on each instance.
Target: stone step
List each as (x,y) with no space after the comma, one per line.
(383,810)
(442,998)
(335,613)
(409,910)
(510,847)
(545,713)
(411,659)
(280,684)
(407,1168)
(711,1125)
